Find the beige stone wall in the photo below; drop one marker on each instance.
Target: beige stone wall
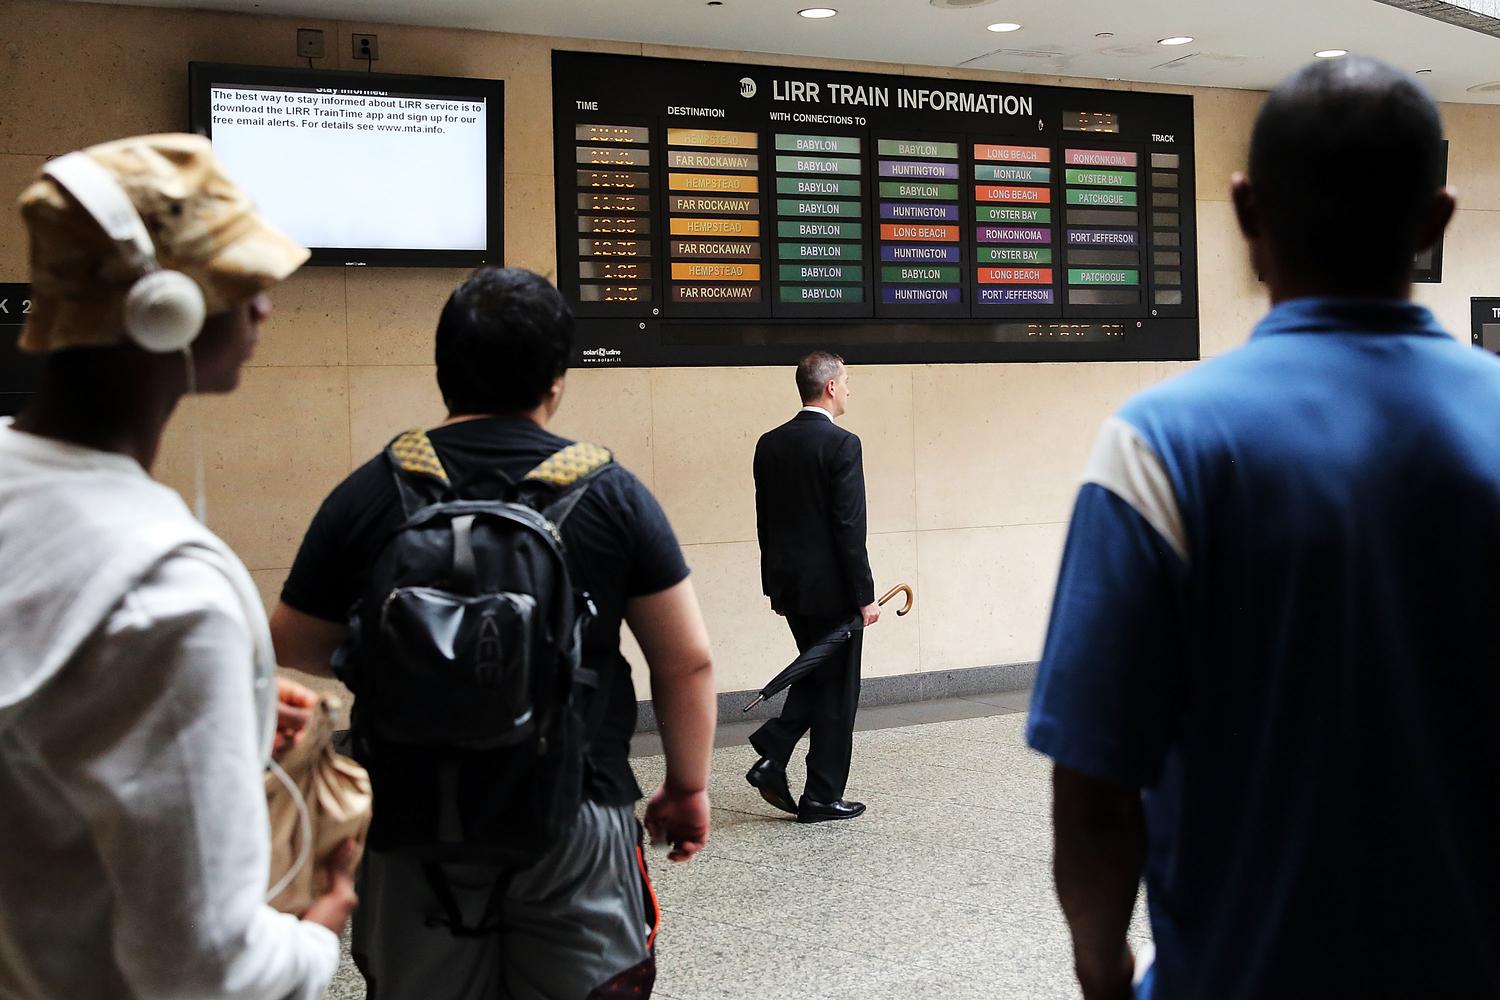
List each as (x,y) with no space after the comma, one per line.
(971,468)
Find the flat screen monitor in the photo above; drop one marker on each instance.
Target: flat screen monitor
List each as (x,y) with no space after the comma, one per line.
(363,168)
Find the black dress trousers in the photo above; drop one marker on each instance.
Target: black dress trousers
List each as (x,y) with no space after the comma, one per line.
(823,703)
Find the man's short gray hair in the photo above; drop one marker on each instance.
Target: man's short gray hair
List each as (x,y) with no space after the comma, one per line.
(815,371)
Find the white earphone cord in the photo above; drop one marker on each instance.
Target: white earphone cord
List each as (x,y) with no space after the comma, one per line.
(200,496)
(200,509)
(304,825)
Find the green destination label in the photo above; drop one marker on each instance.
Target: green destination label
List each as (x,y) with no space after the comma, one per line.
(821,251)
(1015,255)
(822,293)
(1085,196)
(810,230)
(815,165)
(919,272)
(918,147)
(916,189)
(816,186)
(1103,276)
(1010,213)
(817,143)
(822,272)
(996,172)
(798,206)
(1100,178)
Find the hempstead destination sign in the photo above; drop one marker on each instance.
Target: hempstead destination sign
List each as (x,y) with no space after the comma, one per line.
(725,213)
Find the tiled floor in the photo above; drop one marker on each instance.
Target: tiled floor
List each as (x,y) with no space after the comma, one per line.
(942,890)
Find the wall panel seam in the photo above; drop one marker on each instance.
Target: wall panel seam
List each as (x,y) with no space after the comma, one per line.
(990,527)
(916,548)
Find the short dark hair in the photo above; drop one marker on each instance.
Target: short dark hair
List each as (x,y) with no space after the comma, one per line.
(1345,158)
(504,336)
(815,371)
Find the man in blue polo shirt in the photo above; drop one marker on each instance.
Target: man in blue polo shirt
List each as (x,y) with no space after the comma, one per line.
(1271,678)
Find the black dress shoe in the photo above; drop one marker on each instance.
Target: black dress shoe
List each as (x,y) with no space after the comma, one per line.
(769,778)
(809,811)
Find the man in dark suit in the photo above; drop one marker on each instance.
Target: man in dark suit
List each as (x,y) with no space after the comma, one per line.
(810,516)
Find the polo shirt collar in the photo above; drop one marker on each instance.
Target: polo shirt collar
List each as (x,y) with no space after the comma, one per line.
(1329,314)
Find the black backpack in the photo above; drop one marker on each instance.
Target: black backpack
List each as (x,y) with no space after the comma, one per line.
(472,709)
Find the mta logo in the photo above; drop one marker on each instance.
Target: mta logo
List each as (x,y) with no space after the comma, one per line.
(747,87)
(488,668)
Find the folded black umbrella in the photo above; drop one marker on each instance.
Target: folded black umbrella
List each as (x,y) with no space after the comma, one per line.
(824,649)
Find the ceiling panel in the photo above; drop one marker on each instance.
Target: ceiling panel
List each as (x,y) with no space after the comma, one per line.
(1236,44)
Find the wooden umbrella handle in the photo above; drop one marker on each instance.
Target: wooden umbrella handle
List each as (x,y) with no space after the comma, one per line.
(900,588)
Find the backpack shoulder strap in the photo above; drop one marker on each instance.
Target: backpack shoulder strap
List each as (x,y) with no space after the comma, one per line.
(568,472)
(567,466)
(419,473)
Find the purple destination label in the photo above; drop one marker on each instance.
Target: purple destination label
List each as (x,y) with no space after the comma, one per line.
(1102,237)
(901,295)
(898,254)
(1013,296)
(927,212)
(910,168)
(1013,234)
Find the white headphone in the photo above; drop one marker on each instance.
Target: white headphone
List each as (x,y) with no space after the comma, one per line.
(164,310)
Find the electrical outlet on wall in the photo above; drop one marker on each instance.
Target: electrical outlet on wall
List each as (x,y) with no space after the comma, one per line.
(366,47)
(309,43)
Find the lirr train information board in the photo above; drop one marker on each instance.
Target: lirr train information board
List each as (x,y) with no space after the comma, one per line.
(729,214)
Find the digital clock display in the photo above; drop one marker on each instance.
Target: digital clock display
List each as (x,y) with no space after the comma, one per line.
(1091,121)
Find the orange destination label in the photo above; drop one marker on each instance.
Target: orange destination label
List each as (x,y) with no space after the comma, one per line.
(901,231)
(715,272)
(715,227)
(995,192)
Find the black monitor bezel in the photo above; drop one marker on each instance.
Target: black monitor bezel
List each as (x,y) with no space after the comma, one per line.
(203,75)
(1483,310)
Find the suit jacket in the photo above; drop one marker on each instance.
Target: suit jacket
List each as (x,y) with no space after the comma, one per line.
(810,517)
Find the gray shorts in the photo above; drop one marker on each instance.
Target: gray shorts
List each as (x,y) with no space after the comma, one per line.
(578,925)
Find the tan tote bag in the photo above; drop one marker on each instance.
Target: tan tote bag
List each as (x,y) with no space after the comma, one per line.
(337,793)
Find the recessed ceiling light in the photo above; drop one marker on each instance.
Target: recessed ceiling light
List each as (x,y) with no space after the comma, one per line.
(817,12)
(1422,71)
(1330,53)
(1104,34)
(1175,40)
(1003,26)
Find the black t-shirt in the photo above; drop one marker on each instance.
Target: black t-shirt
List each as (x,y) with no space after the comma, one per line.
(619,546)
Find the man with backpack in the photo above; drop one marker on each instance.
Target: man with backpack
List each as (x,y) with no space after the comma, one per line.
(469,585)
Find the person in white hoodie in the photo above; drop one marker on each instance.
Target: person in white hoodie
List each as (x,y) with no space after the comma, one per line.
(137,689)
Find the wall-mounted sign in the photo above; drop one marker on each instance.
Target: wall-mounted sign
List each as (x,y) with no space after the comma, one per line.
(720,213)
(19,373)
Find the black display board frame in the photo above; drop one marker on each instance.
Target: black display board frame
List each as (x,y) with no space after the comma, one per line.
(592,89)
(1484,311)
